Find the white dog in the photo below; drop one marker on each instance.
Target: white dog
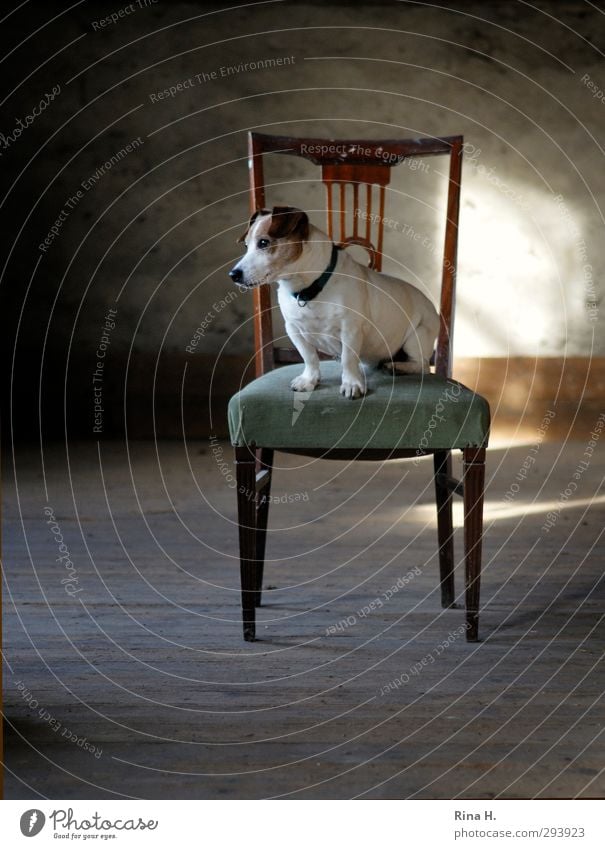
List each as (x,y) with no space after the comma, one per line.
(334,305)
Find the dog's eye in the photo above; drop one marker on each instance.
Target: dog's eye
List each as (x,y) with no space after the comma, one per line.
(263,243)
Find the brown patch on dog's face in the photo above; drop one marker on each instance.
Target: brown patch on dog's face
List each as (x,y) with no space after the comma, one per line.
(253,218)
(274,239)
(289,223)
(286,221)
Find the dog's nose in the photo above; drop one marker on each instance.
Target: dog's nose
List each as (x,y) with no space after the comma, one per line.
(236,274)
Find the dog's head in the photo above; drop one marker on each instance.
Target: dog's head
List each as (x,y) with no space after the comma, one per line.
(274,242)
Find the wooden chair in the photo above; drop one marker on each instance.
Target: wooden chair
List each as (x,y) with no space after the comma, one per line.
(257,414)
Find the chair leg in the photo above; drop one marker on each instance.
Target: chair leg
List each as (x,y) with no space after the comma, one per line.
(445,529)
(474,481)
(262,515)
(245,473)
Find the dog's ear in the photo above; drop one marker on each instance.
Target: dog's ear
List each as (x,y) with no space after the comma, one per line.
(253,218)
(289,221)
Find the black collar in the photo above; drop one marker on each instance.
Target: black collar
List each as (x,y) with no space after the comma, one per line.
(303,296)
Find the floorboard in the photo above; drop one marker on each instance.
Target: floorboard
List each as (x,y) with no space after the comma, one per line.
(136,683)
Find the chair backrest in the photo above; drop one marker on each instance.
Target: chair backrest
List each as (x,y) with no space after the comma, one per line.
(366,166)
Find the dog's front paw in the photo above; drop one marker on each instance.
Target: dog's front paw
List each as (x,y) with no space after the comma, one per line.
(302,383)
(352,387)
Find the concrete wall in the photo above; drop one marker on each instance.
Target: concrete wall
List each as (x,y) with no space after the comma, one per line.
(152,232)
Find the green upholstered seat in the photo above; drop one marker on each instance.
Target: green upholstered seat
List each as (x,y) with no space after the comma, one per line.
(403,411)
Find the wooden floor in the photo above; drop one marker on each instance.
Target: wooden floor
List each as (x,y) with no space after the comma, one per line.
(126,676)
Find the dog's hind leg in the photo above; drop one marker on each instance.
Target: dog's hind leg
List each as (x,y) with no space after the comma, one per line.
(418,347)
(410,367)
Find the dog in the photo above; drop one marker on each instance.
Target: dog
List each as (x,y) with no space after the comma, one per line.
(333,304)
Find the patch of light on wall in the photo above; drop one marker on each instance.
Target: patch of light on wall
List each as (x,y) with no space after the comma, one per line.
(520,282)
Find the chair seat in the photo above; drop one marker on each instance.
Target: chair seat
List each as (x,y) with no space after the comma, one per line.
(403,411)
